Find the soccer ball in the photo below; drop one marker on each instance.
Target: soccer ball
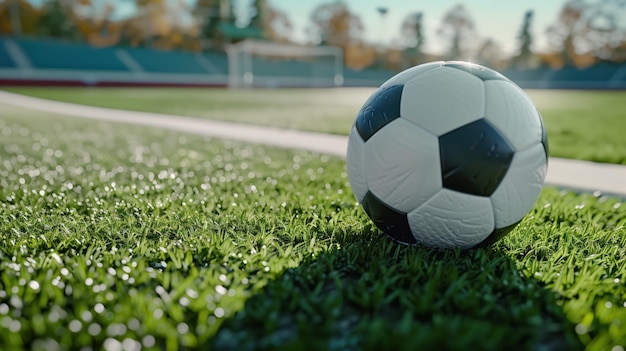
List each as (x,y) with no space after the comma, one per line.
(447,154)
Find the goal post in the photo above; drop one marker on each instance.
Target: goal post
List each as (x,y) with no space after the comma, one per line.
(264,64)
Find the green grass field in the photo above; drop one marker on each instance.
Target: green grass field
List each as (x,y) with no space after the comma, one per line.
(587,125)
(125,238)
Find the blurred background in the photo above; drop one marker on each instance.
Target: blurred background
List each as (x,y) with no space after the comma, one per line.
(273,43)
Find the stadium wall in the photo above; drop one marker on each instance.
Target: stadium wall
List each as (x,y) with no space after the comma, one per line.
(49,63)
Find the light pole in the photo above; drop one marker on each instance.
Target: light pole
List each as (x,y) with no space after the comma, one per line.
(382,11)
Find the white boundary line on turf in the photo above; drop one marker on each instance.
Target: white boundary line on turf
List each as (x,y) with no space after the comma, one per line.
(573,174)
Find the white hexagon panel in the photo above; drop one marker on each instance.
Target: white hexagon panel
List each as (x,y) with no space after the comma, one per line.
(443,99)
(512,112)
(354,165)
(402,165)
(406,75)
(452,219)
(521,186)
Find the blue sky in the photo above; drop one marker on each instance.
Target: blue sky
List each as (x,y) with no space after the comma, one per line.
(499,20)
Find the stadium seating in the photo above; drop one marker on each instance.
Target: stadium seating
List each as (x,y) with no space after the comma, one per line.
(55,58)
(600,72)
(169,61)
(219,60)
(366,76)
(70,56)
(526,75)
(5,59)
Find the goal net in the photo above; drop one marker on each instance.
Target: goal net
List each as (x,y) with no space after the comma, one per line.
(263,64)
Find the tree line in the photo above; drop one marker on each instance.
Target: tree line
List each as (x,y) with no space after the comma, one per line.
(585,32)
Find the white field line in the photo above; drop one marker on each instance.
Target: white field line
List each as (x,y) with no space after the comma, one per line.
(572,174)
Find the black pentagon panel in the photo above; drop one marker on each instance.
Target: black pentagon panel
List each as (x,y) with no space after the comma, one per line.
(544,136)
(474,158)
(497,234)
(382,107)
(481,72)
(392,222)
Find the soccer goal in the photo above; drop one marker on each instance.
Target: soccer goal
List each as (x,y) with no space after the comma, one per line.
(255,63)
